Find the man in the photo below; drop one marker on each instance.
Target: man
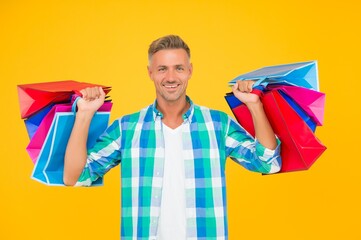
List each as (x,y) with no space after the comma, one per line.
(172,153)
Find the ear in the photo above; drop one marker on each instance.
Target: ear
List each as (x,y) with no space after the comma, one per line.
(190,69)
(149,72)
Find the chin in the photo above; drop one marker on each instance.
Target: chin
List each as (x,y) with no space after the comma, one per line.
(172,98)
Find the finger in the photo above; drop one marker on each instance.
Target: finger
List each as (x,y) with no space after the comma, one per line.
(83,93)
(235,87)
(246,87)
(249,86)
(91,91)
(89,94)
(95,93)
(242,86)
(101,92)
(98,92)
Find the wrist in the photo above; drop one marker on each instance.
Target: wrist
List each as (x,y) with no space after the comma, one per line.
(84,115)
(255,107)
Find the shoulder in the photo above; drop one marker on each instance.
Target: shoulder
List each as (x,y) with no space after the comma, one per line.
(211,114)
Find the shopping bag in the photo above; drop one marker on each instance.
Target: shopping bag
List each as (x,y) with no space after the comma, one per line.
(302,74)
(299,146)
(32,123)
(36,142)
(312,102)
(34,97)
(50,164)
(233,102)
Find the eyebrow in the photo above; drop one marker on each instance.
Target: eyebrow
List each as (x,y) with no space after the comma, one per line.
(177,65)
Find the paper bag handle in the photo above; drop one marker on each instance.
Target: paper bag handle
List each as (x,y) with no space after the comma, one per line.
(73,107)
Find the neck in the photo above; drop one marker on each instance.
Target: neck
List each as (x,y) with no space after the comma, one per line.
(173,111)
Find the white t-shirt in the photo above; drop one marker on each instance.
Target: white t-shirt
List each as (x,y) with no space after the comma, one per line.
(172,220)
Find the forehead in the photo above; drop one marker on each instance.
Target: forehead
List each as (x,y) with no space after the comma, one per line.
(170,57)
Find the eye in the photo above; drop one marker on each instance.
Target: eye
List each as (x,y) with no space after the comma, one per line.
(180,69)
(162,69)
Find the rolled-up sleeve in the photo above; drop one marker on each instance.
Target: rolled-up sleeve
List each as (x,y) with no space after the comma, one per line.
(103,156)
(249,152)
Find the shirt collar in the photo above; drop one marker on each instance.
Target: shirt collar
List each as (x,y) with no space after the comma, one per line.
(186,116)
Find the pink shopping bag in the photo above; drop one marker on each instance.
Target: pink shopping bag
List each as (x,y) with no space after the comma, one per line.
(311,101)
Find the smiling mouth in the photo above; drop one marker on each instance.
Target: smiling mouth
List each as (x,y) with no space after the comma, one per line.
(170,86)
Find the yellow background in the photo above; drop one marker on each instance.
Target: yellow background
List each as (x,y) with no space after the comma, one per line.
(106,41)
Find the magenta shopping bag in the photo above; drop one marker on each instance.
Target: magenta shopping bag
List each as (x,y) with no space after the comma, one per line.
(311,101)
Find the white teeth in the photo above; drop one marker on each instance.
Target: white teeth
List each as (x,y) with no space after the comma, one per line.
(170,86)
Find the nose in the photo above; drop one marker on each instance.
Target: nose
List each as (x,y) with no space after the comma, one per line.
(171,75)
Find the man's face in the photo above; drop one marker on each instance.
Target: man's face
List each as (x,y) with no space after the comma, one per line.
(170,70)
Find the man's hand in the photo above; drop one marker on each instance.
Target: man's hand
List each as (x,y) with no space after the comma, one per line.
(242,91)
(93,98)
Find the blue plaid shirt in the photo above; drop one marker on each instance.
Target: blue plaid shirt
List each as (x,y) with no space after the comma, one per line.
(209,137)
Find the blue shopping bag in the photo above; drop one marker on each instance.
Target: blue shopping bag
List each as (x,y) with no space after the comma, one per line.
(49,167)
(32,123)
(303,74)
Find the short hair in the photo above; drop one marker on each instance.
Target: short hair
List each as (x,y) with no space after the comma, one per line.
(167,42)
